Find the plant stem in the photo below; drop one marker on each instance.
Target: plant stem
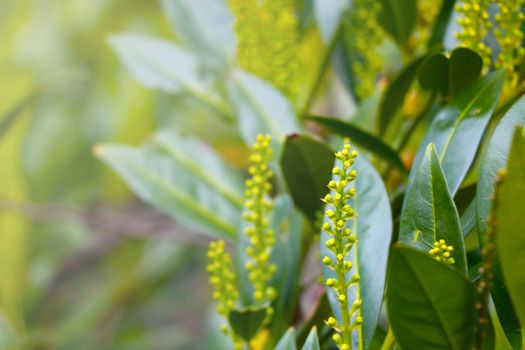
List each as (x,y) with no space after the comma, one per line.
(345,314)
(389,340)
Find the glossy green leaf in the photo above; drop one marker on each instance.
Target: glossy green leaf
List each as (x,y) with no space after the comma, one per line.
(430,306)
(457,129)
(441,24)
(398,18)
(373,226)
(394,96)
(362,138)
(511,224)
(206,26)
(430,213)
(247,322)
(287,342)
(306,165)
(183,178)
(468,219)
(260,108)
(312,342)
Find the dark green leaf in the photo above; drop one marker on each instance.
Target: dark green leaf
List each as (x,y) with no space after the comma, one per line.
(312,342)
(430,306)
(394,96)
(430,211)
(306,165)
(398,18)
(247,322)
(433,73)
(362,138)
(457,129)
(510,232)
(442,22)
(287,342)
(373,226)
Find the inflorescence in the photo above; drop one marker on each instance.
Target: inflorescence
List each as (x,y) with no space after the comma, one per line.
(257,208)
(442,252)
(340,243)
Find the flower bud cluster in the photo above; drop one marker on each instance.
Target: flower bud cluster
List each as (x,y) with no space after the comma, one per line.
(363,38)
(341,241)
(510,36)
(476,25)
(268,41)
(222,277)
(442,252)
(257,209)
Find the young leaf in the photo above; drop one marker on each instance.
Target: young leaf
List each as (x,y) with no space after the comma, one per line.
(363,139)
(260,108)
(312,342)
(183,178)
(247,322)
(398,18)
(510,231)
(287,342)
(373,226)
(430,306)
(307,167)
(457,129)
(431,212)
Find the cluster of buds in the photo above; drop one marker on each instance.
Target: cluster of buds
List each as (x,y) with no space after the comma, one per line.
(257,25)
(363,38)
(340,243)
(427,12)
(257,209)
(442,252)
(510,36)
(476,25)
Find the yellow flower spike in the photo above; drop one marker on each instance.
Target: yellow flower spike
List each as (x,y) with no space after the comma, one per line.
(442,252)
(476,25)
(257,209)
(341,241)
(257,24)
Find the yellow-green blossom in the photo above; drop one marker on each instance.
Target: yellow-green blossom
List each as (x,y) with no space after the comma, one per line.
(476,24)
(442,252)
(257,209)
(363,37)
(510,36)
(340,243)
(268,41)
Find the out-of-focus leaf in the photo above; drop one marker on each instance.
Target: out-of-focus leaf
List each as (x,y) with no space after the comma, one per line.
(312,342)
(183,178)
(287,342)
(458,127)
(468,219)
(442,22)
(511,222)
(430,306)
(394,96)
(10,117)
(430,211)
(373,226)
(362,138)
(247,322)
(398,18)
(7,334)
(306,165)
(328,15)
(433,73)
(206,26)
(260,108)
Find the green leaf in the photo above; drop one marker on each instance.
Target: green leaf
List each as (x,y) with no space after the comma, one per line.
(457,129)
(430,306)
(183,178)
(11,116)
(510,230)
(362,138)
(307,167)
(328,16)
(287,342)
(260,108)
(312,342)
(431,212)
(441,24)
(398,18)
(373,226)
(205,26)
(394,96)
(247,322)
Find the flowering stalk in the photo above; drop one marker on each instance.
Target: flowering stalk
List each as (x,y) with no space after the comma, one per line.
(257,208)
(476,25)
(340,244)
(509,35)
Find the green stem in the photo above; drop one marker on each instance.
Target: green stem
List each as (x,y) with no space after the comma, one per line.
(389,340)
(345,314)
